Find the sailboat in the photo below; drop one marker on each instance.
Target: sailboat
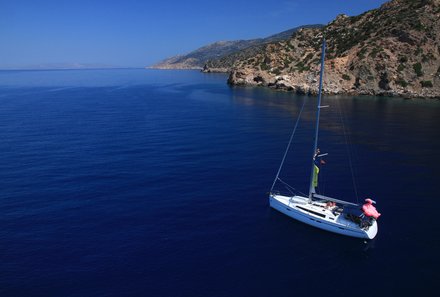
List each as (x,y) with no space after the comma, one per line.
(327,213)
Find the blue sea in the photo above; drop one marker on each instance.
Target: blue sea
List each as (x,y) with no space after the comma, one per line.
(154,183)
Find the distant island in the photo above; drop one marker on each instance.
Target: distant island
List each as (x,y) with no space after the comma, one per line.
(392,51)
(61,66)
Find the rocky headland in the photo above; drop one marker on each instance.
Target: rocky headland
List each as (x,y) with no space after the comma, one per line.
(393,51)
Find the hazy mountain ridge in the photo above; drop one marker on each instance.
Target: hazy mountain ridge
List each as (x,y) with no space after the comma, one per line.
(199,57)
(392,50)
(60,66)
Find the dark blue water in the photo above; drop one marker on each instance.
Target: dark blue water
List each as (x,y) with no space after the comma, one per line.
(154,183)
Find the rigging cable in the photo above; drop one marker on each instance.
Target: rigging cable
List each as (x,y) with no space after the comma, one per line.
(289,187)
(348,151)
(288,145)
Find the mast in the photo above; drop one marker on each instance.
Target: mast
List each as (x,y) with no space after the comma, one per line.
(318,109)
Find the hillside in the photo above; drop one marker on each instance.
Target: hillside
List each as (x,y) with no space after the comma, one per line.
(392,50)
(198,58)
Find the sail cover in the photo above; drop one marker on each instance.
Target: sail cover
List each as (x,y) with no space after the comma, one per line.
(315,176)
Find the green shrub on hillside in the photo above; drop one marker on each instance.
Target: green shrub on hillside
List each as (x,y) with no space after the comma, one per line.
(361,53)
(379,67)
(402,82)
(276,71)
(263,66)
(428,57)
(426,84)
(403,59)
(418,69)
(375,51)
(308,57)
(301,67)
(418,25)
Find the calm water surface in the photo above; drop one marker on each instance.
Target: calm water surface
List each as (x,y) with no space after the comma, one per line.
(154,183)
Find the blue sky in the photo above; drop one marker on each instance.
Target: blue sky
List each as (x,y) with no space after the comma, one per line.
(137,33)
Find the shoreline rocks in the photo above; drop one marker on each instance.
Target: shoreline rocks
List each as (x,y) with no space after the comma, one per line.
(292,84)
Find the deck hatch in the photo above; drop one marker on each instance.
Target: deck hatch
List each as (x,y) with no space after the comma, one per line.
(312,212)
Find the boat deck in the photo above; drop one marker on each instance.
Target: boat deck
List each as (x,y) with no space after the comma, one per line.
(319,214)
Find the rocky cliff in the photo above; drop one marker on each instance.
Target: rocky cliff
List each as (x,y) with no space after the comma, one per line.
(392,50)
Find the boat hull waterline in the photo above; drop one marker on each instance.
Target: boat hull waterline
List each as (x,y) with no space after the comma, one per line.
(316,214)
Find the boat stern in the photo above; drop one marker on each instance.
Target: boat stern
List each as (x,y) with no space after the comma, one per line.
(372,230)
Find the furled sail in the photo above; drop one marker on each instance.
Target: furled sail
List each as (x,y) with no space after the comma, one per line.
(315,176)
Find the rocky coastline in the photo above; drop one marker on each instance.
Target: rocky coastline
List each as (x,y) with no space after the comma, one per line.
(390,51)
(309,86)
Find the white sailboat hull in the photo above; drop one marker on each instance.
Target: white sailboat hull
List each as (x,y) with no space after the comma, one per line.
(317,215)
